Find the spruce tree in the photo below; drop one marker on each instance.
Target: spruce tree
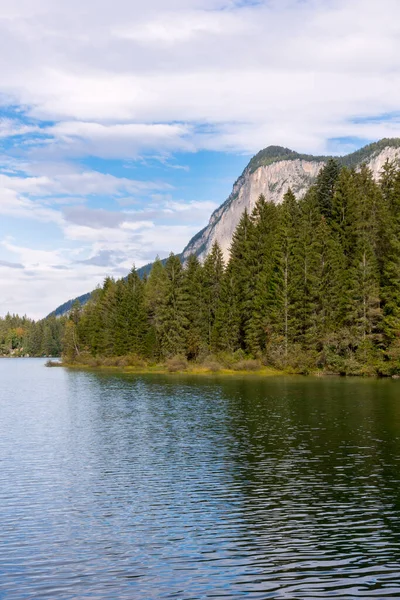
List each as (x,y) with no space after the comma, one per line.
(196,340)
(363,271)
(213,272)
(155,297)
(305,265)
(173,322)
(135,308)
(235,292)
(325,186)
(257,289)
(283,292)
(329,294)
(390,259)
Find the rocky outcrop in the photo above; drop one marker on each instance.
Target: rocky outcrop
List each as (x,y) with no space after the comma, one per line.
(286,170)
(273,181)
(270,172)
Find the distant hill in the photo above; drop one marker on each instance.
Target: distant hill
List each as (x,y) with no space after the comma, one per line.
(66,307)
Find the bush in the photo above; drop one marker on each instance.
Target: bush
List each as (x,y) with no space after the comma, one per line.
(176,363)
(122,361)
(133,360)
(248,364)
(109,361)
(212,365)
(53,363)
(226,359)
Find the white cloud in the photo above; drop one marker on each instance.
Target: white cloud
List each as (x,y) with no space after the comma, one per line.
(129,79)
(12,128)
(131,73)
(176,28)
(119,140)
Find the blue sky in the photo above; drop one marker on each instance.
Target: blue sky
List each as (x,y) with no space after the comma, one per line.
(123,125)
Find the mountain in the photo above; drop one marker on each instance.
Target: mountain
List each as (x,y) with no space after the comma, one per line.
(270,172)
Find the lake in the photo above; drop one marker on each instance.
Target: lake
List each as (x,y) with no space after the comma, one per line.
(153,487)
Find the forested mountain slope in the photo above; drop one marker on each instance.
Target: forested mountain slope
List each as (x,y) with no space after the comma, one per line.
(312,282)
(271,172)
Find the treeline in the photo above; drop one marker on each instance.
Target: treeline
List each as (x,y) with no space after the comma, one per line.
(20,336)
(313,283)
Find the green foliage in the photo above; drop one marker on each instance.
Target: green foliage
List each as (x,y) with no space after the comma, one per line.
(325,187)
(313,283)
(173,321)
(20,336)
(212,278)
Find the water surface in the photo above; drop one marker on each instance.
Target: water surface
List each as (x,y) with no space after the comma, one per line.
(154,487)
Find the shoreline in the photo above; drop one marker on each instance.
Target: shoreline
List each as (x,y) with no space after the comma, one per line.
(160,370)
(201,371)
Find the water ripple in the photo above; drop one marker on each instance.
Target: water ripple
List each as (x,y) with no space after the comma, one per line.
(155,488)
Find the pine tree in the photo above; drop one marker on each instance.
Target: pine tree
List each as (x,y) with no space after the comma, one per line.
(155,297)
(34,341)
(196,340)
(305,265)
(213,272)
(309,282)
(325,187)
(283,294)
(363,272)
(173,314)
(390,252)
(130,319)
(226,333)
(231,316)
(329,294)
(135,308)
(257,290)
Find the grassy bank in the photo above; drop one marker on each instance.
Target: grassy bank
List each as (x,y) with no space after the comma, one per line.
(177,365)
(223,364)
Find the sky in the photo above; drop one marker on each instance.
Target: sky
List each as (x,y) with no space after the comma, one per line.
(124,124)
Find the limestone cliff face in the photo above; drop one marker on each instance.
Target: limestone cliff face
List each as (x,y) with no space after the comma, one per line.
(271,172)
(273,180)
(376,162)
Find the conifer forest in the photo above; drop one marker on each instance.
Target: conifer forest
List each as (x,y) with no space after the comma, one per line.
(311,284)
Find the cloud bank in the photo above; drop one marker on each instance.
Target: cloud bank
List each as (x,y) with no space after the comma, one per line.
(91,88)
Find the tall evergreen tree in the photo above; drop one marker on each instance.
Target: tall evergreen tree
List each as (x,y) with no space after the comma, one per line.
(196,340)
(232,314)
(325,186)
(305,267)
(213,272)
(260,264)
(390,259)
(364,309)
(155,298)
(173,315)
(284,293)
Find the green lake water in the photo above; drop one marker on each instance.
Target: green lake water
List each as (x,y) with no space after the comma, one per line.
(153,487)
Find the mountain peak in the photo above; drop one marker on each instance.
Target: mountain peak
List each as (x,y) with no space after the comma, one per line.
(273,154)
(271,172)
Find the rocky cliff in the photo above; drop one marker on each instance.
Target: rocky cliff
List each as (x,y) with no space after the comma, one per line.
(272,172)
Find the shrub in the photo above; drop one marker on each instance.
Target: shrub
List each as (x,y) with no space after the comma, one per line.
(176,363)
(133,360)
(53,363)
(212,365)
(248,364)
(226,359)
(122,361)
